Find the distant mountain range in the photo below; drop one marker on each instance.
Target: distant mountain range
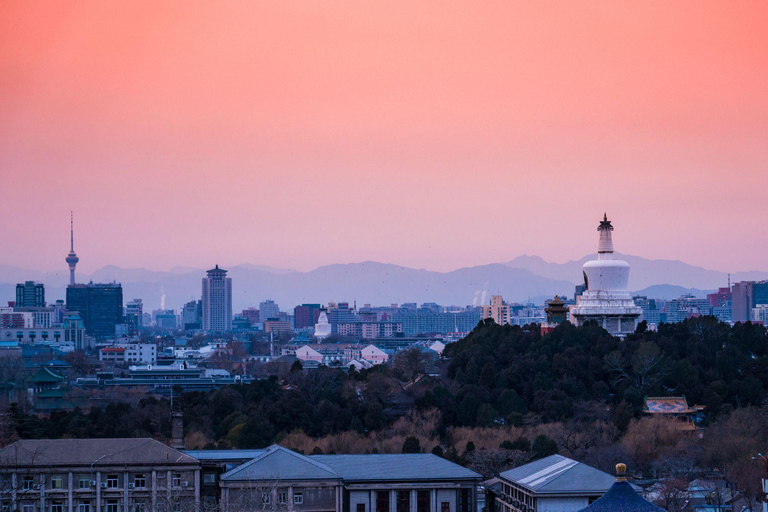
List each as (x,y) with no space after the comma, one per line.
(524,278)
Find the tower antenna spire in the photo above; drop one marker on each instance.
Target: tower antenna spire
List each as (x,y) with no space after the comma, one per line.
(72,258)
(71,231)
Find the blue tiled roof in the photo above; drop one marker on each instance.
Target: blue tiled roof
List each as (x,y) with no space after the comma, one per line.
(621,497)
(278,463)
(223,455)
(557,474)
(400,466)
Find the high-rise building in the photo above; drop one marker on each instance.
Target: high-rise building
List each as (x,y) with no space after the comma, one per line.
(745,296)
(134,310)
(498,310)
(306,315)
(252,315)
(72,258)
(99,305)
(217,301)
(606,298)
(30,295)
(268,309)
(191,315)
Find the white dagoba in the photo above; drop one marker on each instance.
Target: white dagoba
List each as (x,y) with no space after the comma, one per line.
(322,327)
(606,298)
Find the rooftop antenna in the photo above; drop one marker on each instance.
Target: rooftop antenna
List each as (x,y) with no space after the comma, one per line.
(729,280)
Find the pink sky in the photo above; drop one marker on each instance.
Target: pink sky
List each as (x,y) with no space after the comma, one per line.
(433,134)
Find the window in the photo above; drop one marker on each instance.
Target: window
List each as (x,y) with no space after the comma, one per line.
(140,480)
(83,483)
(27,508)
(403,501)
(282,498)
(27,484)
(266,498)
(84,507)
(57,506)
(465,500)
(112,506)
(57,482)
(422,501)
(445,506)
(382,501)
(361,507)
(139,506)
(298,498)
(177,479)
(111,483)
(209,478)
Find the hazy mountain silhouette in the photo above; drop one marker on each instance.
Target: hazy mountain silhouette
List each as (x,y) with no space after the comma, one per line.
(380,283)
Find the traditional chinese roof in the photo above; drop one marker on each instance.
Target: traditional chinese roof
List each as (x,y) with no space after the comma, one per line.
(44,375)
(667,405)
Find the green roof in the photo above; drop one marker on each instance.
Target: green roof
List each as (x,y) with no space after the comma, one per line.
(44,375)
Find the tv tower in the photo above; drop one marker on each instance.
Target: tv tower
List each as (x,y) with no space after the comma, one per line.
(72,258)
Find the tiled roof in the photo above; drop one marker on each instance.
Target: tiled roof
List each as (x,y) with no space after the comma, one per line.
(278,463)
(87,452)
(667,405)
(223,455)
(621,497)
(401,466)
(559,475)
(45,375)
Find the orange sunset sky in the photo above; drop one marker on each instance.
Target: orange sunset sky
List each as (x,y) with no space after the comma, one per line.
(432,134)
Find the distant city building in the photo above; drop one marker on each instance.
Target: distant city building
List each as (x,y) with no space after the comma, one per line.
(579,291)
(650,307)
(306,315)
(191,315)
(134,310)
(687,306)
(498,310)
(277,326)
(606,299)
(720,298)
(760,314)
(70,331)
(252,314)
(217,301)
(166,319)
(99,305)
(268,309)
(41,317)
(130,353)
(30,295)
(745,296)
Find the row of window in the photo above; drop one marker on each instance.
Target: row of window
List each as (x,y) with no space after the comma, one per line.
(282,498)
(112,481)
(109,506)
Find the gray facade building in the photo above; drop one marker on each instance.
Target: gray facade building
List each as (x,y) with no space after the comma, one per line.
(217,301)
(30,295)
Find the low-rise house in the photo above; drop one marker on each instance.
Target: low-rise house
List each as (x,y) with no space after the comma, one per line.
(97,475)
(348,483)
(554,483)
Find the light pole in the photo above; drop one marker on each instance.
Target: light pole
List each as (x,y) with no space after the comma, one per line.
(764,480)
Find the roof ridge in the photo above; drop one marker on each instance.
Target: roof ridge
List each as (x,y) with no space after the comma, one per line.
(277,448)
(251,462)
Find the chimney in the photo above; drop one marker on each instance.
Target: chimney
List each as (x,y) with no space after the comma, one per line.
(177,430)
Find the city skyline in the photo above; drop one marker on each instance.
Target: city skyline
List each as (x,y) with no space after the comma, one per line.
(436,136)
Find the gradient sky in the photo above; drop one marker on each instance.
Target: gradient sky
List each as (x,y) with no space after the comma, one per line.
(433,134)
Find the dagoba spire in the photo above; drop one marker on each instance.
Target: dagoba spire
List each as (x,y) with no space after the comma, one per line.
(605,243)
(72,258)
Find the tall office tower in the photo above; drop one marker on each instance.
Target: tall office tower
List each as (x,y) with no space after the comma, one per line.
(498,310)
(268,309)
(30,295)
(72,258)
(134,310)
(191,315)
(217,301)
(306,315)
(99,305)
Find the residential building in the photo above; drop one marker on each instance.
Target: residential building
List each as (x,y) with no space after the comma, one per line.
(554,483)
(41,316)
(720,297)
(99,475)
(277,326)
(132,353)
(252,315)
(650,307)
(99,305)
(30,295)
(71,330)
(217,301)
(686,307)
(760,314)
(498,310)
